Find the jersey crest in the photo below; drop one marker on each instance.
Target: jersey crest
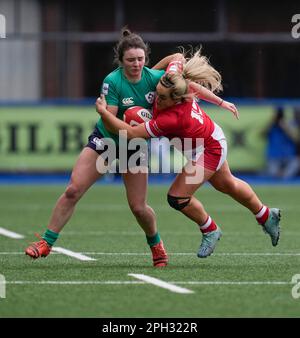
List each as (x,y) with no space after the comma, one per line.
(150,97)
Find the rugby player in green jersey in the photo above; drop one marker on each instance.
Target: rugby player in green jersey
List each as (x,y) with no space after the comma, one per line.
(132,83)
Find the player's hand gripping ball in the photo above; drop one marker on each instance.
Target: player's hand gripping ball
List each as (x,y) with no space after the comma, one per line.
(137,115)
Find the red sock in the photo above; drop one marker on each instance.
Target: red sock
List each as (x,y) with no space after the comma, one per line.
(262,215)
(208,226)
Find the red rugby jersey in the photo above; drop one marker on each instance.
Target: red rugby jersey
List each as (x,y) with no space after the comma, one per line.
(183,120)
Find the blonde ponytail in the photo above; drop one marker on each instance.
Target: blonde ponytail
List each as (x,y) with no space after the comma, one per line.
(198,69)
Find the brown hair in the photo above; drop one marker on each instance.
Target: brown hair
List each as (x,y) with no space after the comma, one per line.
(127,41)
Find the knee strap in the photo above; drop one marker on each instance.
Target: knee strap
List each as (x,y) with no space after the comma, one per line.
(178,203)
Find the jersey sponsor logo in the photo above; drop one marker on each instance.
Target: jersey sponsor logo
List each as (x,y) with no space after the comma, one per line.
(127,101)
(150,97)
(105,88)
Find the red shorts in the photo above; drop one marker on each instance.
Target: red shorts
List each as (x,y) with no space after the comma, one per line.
(215,151)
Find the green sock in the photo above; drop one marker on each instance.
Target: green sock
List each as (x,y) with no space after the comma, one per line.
(50,236)
(153,240)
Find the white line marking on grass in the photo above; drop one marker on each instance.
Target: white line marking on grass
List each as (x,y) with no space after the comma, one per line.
(73,254)
(10,234)
(194,254)
(142,282)
(160,283)
(170,253)
(256,254)
(70,282)
(118,253)
(234,283)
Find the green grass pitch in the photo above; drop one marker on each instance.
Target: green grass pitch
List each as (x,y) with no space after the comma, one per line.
(241,275)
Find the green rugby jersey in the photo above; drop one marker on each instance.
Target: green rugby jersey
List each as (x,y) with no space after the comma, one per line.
(120,92)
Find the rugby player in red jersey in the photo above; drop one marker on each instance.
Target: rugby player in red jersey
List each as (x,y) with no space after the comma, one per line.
(176,114)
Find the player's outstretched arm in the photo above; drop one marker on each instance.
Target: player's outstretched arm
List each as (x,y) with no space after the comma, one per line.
(114,125)
(207,95)
(163,63)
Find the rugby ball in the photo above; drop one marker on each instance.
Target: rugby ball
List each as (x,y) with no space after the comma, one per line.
(137,115)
